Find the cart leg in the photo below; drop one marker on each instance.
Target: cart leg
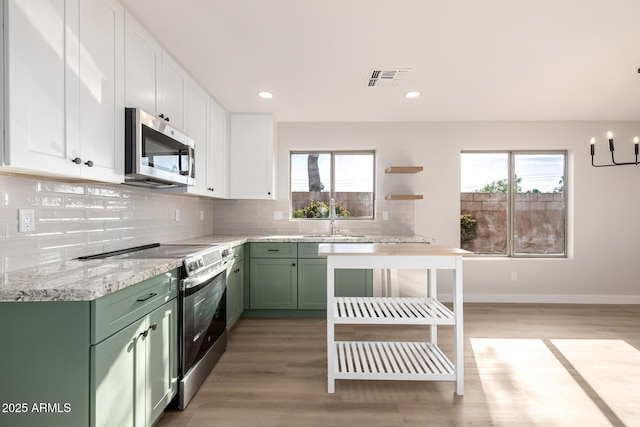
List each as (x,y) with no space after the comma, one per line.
(432,292)
(331,346)
(458,327)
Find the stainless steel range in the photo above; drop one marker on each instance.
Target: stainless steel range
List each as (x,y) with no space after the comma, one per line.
(202,302)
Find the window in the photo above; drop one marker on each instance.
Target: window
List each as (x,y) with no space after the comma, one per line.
(513,203)
(346,178)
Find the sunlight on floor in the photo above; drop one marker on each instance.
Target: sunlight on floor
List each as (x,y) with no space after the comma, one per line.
(523,377)
(612,370)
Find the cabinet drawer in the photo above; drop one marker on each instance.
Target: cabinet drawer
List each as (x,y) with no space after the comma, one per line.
(238,252)
(112,312)
(308,250)
(274,250)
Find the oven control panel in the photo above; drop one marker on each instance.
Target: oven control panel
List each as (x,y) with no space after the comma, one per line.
(206,259)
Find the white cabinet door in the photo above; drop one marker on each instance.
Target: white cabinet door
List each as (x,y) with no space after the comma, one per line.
(65,93)
(39,38)
(196,128)
(218,158)
(172,92)
(252,156)
(101,108)
(143,65)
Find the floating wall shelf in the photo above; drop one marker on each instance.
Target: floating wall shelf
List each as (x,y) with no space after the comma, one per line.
(403,169)
(403,197)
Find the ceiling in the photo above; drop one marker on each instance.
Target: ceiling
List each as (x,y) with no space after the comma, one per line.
(470,59)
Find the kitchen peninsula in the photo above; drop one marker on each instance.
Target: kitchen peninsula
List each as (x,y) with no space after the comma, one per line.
(394,360)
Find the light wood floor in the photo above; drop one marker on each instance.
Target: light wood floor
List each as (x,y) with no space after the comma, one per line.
(525,365)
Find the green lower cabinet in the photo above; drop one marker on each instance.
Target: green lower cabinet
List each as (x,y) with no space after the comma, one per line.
(58,368)
(235,292)
(44,364)
(118,372)
(274,283)
(312,283)
(135,372)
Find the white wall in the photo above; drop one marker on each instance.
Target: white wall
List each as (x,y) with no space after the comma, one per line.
(603,202)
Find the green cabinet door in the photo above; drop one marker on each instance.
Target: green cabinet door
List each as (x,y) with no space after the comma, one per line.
(161,359)
(312,283)
(135,371)
(274,283)
(118,376)
(235,292)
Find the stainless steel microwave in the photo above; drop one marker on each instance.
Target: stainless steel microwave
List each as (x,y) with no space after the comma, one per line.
(156,155)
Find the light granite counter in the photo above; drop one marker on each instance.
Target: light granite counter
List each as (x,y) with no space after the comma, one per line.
(79,280)
(233,240)
(88,280)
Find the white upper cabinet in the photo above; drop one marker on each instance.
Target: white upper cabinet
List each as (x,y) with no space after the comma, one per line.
(102,89)
(155,82)
(143,68)
(197,116)
(64,88)
(252,156)
(218,158)
(38,40)
(172,93)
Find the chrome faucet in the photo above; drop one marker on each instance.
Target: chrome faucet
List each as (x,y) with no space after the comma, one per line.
(332,217)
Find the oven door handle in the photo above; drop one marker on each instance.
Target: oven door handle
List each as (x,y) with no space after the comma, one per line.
(195,281)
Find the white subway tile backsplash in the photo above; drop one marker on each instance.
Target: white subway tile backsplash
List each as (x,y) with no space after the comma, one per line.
(256,217)
(59,215)
(56,187)
(76,219)
(65,240)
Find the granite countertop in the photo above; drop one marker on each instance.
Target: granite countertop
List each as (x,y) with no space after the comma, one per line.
(233,240)
(77,280)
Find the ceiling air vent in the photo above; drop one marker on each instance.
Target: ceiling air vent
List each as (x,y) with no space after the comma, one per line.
(386,76)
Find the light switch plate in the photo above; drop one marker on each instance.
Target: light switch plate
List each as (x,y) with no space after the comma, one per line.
(277,215)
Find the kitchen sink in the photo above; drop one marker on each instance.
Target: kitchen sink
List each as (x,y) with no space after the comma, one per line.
(337,236)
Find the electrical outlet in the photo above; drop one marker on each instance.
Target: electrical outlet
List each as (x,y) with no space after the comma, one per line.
(385,216)
(201,215)
(177,214)
(26,220)
(277,215)
(514,276)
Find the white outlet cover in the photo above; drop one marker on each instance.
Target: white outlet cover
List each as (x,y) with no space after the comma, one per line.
(26,220)
(277,215)
(177,214)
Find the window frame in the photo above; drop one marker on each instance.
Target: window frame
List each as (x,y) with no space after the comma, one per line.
(332,154)
(511,201)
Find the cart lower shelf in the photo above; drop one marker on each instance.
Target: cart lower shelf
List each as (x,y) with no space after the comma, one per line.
(419,361)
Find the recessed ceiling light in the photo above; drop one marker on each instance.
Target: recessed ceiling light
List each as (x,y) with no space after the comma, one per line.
(412,94)
(265,95)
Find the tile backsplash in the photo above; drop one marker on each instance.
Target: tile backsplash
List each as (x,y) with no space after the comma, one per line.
(73,219)
(257,217)
(80,218)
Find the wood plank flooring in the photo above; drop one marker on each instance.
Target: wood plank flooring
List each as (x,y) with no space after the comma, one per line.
(525,365)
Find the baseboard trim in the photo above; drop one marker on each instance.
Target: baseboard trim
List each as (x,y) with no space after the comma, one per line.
(546,299)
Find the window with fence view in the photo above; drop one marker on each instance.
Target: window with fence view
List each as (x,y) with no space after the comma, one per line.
(345,179)
(513,203)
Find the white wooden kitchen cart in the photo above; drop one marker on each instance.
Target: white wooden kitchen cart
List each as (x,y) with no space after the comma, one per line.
(417,361)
